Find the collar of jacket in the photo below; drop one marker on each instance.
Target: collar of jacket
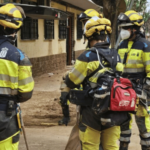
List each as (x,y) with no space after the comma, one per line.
(137,38)
(104,45)
(3,39)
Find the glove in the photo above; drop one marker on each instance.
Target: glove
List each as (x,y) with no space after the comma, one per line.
(63,98)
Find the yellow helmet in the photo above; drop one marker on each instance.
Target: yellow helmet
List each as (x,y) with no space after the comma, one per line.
(97,25)
(89,13)
(130,18)
(11,16)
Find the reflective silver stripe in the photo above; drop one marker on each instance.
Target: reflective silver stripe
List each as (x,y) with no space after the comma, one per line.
(96,75)
(101,95)
(125,139)
(12,10)
(121,60)
(62,86)
(118,58)
(147,143)
(8,91)
(105,120)
(147,62)
(93,85)
(133,70)
(134,61)
(8,78)
(145,135)
(25,81)
(78,74)
(126,132)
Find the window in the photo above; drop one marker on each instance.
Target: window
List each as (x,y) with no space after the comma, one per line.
(30,29)
(44,2)
(79,29)
(6,1)
(62,29)
(49,29)
(28,2)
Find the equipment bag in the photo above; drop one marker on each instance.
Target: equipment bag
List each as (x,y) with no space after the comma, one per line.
(123,96)
(113,93)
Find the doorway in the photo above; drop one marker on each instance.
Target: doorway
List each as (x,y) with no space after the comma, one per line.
(69,40)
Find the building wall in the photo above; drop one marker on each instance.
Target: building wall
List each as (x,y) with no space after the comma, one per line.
(49,55)
(78,43)
(42,47)
(45,55)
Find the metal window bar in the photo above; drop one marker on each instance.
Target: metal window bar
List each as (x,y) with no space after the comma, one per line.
(28,2)
(43,2)
(49,29)
(62,29)
(79,29)
(30,29)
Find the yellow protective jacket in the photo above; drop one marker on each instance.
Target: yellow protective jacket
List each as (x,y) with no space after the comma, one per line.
(16,85)
(135,55)
(15,72)
(86,64)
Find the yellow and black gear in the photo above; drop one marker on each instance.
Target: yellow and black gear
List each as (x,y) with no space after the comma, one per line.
(16,81)
(91,126)
(89,13)
(135,55)
(97,25)
(11,16)
(130,18)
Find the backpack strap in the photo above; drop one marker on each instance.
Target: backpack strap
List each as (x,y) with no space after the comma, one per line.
(111,58)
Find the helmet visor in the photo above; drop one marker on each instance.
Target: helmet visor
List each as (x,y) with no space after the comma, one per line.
(83,16)
(124,20)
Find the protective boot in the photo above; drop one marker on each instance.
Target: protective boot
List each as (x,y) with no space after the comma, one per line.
(124,146)
(66,118)
(145,148)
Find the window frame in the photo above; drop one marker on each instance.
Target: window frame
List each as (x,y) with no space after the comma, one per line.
(44,2)
(51,29)
(62,29)
(29,24)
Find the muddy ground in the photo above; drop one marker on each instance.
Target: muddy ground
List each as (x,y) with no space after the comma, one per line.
(42,112)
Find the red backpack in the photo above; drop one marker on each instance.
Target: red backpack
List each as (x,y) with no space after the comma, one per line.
(123,96)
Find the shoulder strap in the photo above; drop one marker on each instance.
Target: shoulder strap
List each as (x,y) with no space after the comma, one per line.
(111,58)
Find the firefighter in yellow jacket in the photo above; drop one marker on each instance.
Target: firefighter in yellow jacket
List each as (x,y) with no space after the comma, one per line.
(86,68)
(134,51)
(83,17)
(16,82)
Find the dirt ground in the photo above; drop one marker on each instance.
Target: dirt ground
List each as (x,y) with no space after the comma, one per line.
(42,112)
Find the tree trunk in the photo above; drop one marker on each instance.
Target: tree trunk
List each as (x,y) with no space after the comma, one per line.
(114,25)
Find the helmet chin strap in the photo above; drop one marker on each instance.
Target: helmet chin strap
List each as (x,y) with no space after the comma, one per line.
(132,33)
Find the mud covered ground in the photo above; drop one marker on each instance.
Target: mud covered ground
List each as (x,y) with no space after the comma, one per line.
(44,106)
(43,111)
